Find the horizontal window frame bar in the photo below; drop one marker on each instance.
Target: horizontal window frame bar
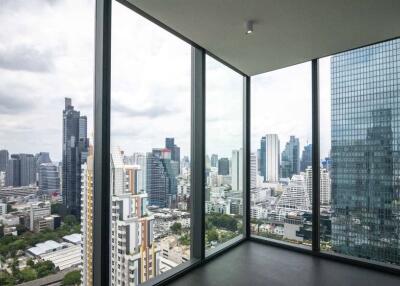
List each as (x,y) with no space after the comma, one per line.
(350,260)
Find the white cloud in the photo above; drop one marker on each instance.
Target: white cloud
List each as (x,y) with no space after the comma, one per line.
(46,54)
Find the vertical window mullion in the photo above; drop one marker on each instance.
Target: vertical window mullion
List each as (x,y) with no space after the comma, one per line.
(198,154)
(101,196)
(246,154)
(315,159)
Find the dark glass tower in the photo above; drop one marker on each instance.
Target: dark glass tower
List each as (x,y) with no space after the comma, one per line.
(223,166)
(290,163)
(3,160)
(161,179)
(13,174)
(21,170)
(214,160)
(263,152)
(75,146)
(365,152)
(175,153)
(306,158)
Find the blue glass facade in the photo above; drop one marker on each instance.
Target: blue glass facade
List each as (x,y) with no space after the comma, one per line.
(365,105)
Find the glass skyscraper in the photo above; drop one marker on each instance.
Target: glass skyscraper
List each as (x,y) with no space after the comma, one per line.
(365,107)
(75,147)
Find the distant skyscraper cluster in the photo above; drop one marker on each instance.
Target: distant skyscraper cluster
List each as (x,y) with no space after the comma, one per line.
(17,170)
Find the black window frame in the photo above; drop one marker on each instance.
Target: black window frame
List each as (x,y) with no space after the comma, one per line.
(101,235)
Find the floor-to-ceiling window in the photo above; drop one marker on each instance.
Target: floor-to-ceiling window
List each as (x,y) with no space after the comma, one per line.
(150,149)
(281,155)
(359,111)
(224,155)
(46,140)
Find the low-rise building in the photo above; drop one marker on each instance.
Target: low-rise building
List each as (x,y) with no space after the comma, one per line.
(39,212)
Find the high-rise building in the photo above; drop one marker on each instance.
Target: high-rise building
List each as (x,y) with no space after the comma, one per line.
(223,166)
(237,170)
(365,152)
(21,170)
(3,160)
(87,220)
(325,185)
(270,157)
(253,170)
(263,150)
(175,153)
(134,257)
(327,163)
(49,178)
(214,160)
(161,181)
(306,158)
(13,173)
(40,158)
(74,150)
(28,167)
(290,164)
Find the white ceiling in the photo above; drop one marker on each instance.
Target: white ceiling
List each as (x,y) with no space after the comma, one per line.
(286,32)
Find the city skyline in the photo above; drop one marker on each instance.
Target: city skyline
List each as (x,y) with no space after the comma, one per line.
(57,51)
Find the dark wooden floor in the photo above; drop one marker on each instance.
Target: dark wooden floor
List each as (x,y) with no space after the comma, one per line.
(254,264)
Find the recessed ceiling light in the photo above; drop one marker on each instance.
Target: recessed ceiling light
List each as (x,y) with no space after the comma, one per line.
(249,27)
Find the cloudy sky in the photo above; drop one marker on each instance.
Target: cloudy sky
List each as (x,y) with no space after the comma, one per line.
(47,53)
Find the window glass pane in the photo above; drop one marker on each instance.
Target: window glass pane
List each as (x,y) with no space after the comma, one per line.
(360,151)
(150,155)
(281,155)
(224,154)
(46,137)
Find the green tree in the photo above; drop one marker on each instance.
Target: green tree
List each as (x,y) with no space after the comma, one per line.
(27,274)
(6,279)
(70,220)
(176,228)
(72,278)
(212,235)
(30,263)
(20,229)
(184,240)
(60,209)
(44,268)
(223,221)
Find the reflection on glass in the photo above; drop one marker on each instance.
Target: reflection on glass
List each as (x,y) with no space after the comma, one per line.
(281,157)
(224,154)
(150,156)
(360,91)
